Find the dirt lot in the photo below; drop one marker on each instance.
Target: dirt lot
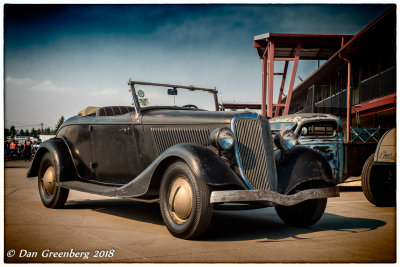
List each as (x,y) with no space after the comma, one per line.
(98,229)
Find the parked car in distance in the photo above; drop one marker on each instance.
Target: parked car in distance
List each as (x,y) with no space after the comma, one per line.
(168,148)
(379,172)
(321,132)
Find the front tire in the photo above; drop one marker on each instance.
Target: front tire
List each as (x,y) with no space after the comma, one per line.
(303,214)
(52,195)
(184,202)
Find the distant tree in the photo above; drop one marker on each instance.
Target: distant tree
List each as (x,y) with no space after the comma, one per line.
(60,121)
(34,132)
(27,133)
(22,132)
(6,132)
(12,131)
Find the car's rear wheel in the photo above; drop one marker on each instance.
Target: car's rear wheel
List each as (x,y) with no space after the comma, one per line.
(51,194)
(304,214)
(184,202)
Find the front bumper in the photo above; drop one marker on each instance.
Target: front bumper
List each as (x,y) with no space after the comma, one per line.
(271,196)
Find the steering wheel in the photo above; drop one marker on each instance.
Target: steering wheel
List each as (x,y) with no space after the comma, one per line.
(190,106)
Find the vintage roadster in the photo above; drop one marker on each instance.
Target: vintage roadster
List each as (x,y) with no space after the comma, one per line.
(190,160)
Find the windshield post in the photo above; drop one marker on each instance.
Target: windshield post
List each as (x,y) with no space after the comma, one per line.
(134,96)
(216,99)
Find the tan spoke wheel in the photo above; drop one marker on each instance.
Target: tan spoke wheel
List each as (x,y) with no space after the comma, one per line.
(49,180)
(180,199)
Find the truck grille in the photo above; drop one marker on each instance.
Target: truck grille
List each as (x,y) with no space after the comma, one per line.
(254,152)
(168,137)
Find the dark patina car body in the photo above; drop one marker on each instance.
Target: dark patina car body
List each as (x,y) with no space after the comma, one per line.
(170,155)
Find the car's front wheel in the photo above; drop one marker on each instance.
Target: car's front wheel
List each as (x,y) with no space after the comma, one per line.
(304,214)
(51,194)
(184,202)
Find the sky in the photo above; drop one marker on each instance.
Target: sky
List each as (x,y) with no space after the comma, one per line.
(59,59)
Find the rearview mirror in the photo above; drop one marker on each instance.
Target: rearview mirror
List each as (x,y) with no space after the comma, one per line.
(172,91)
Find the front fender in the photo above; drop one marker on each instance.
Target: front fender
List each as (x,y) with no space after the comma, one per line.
(61,157)
(206,165)
(300,165)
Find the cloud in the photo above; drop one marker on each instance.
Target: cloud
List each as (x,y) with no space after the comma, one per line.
(105,92)
(19,83)
(27,84)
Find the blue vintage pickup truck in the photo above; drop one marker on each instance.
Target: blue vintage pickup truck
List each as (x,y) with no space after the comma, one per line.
(323,133)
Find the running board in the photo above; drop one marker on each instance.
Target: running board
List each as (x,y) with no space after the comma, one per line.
(109,191)
(271,196)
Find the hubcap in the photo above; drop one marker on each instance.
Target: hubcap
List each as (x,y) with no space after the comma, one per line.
(49,180)
(180,199)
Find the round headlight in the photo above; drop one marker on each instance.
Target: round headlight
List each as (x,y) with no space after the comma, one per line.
(222,138)
(285,139)
(304,131)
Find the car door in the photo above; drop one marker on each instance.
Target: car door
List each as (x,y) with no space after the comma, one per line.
(79,140)
(115,150)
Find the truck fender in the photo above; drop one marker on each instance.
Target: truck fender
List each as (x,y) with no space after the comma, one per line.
(65,170)
(300,165)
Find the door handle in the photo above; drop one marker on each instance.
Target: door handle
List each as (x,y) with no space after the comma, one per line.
(126,130)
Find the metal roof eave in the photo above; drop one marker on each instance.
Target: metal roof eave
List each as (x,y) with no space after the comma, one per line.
(334,61)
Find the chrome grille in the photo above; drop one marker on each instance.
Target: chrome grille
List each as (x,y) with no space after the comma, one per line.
(255,152)
(168,137)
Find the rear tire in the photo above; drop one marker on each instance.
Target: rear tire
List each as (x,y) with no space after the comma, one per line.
(184,202)
(303,214)
(52,195)
(378,183)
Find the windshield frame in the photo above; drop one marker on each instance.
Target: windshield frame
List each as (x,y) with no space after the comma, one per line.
(139,109)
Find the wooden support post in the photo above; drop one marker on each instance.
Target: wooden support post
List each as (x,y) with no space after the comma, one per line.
(270,78)
(264,87)
(348,101)
(277,109)
(292,79)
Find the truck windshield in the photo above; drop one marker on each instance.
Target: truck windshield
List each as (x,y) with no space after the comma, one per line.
(277,126)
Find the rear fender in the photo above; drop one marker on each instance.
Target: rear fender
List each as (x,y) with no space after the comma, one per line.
(301,165)
(59,151)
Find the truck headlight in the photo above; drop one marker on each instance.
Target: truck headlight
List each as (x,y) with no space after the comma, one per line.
(285,139)
(222,138)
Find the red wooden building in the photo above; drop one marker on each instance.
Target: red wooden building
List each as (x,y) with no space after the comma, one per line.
(357,80)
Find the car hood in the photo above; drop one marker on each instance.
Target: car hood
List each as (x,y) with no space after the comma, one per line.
(159,116)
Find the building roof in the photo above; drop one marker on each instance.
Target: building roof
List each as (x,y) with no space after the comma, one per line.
(241,105)
(371,36)
(313,46)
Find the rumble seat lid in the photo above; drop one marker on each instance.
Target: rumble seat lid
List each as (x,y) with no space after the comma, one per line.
(88,111)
